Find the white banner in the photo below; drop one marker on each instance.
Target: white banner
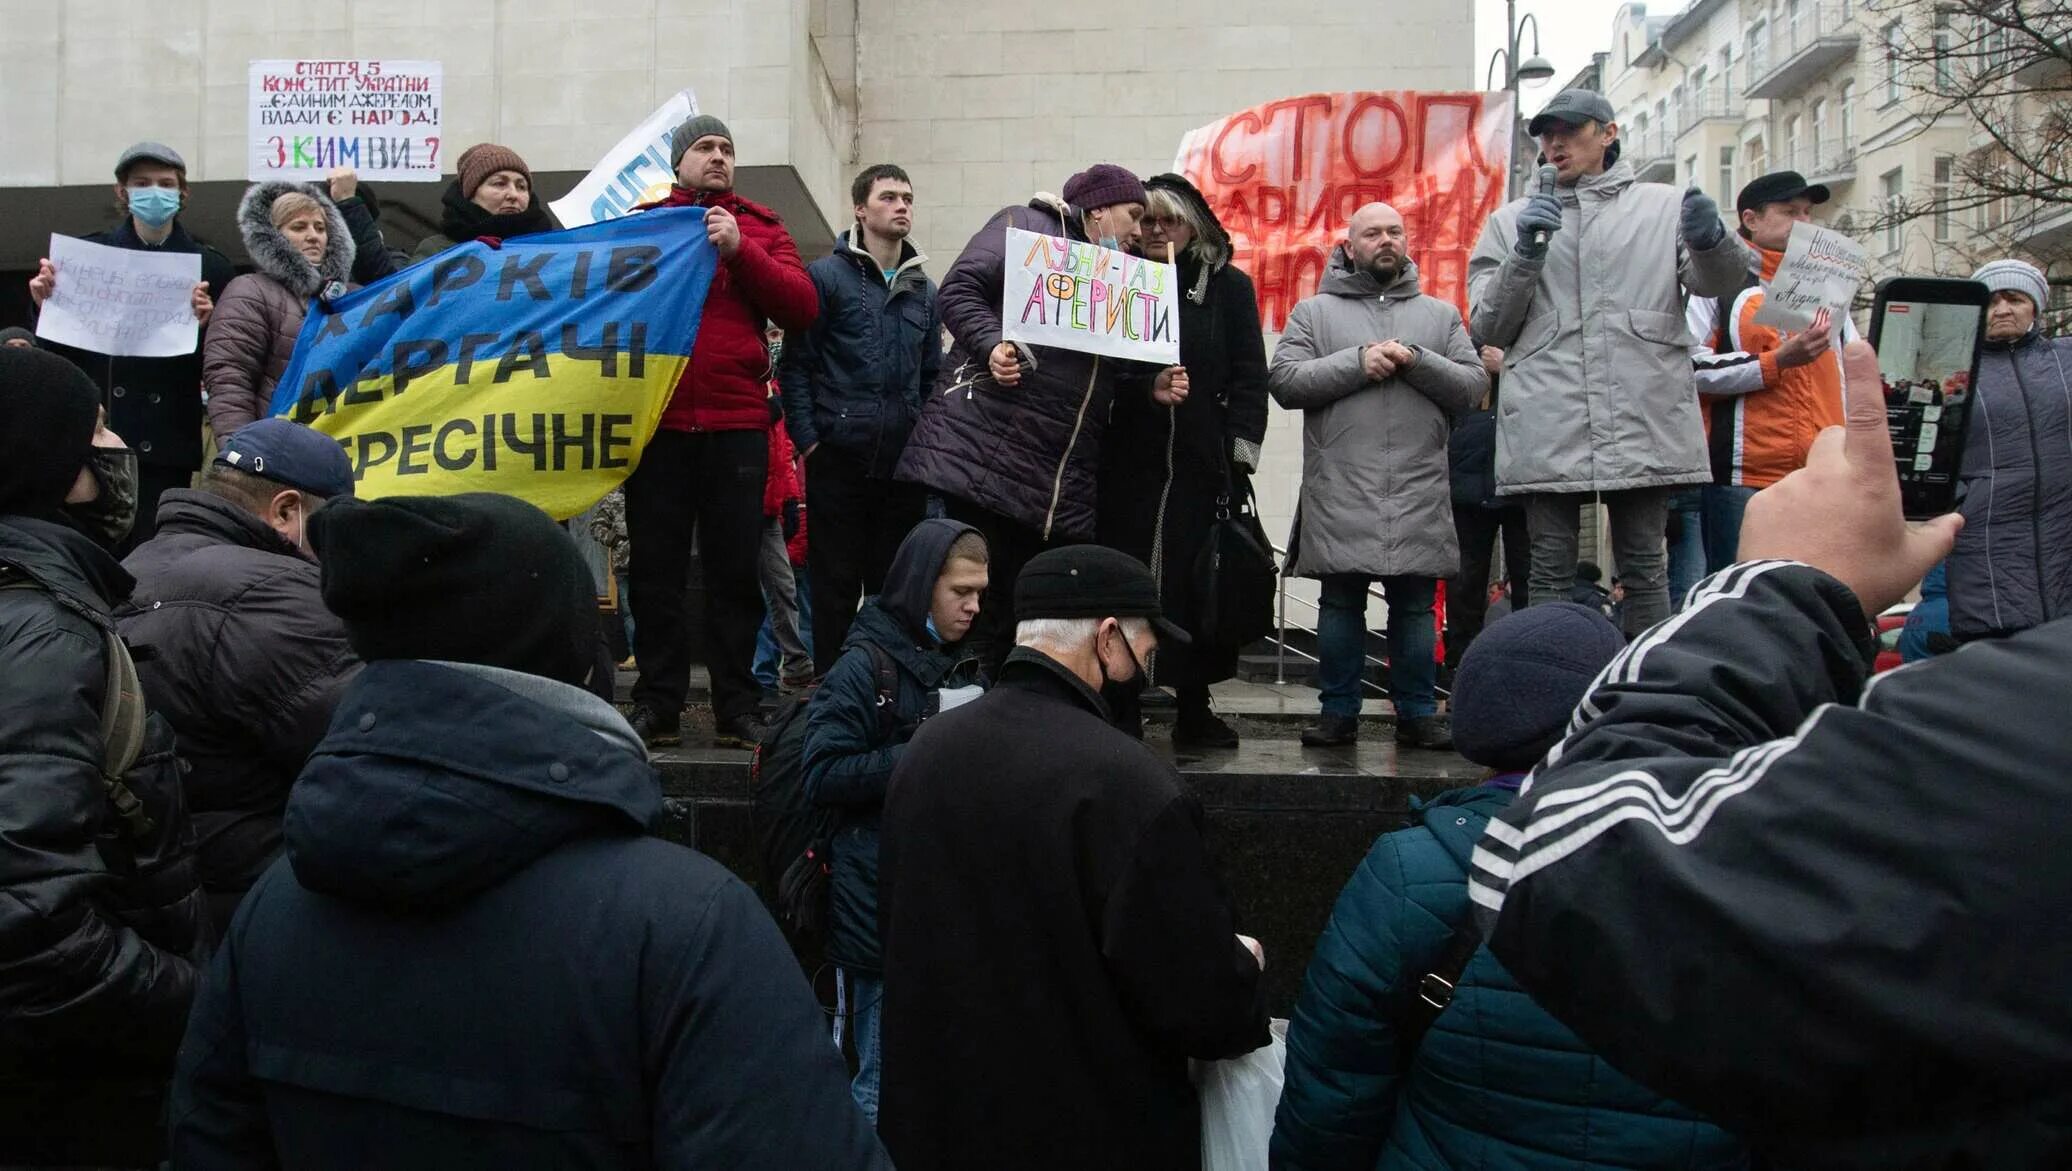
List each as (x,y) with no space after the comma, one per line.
(121,301)
(1822,269)
(380,118)
(1080,296)
(634,172)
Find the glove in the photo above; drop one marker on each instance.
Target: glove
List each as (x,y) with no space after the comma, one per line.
(1702,229)
(1541,213)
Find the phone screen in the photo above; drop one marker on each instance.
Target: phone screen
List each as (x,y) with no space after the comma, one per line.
(1928,356)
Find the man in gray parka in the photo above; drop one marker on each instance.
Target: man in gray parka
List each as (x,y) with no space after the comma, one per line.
(1377,369)
(1582,286)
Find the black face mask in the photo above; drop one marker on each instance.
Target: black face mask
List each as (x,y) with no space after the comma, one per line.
(110,515)
(1121,694)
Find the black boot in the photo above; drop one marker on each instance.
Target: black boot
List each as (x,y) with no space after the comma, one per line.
(743,731)
(1199,727)
(1333,732)
(656,729)
(1434,732)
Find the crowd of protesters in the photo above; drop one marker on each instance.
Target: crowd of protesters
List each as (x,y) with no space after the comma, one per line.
(308,797)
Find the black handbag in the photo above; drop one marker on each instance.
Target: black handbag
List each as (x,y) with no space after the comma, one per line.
(1234,574)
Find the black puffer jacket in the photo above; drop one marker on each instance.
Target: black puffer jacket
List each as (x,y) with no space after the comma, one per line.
(101,923)
(1030,452)
(855,380)
(245,662)
(852,745)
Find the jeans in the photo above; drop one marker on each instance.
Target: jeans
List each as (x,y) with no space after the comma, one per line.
(784,644)
(1467,596)
(858,523)
(1412,643)
(1639,517)
(1687,562)
(859,999)
(709,483)
(626,610)
(1724,506)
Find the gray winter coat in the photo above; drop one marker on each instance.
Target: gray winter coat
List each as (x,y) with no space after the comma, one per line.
(1376,494)
(1598,390)
(252,333)
(2012,568)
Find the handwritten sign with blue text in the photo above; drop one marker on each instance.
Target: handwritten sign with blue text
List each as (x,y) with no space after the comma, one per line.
(1079,296)
(381,118)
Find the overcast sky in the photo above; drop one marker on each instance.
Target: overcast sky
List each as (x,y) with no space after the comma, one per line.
(1570,30)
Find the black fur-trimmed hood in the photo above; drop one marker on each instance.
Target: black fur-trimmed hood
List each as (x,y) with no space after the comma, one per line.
(277,258)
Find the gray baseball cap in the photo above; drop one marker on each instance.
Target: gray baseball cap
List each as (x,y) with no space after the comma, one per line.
(149,152)
(1574,107)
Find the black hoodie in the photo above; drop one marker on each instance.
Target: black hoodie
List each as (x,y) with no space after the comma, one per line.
(473,956)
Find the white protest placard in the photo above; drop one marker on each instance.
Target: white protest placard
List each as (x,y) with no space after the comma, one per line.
(379,117)
(121,301)
(1080,296)
(634,172)
(1822,269)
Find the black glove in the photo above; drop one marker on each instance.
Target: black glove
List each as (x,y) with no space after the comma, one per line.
(793,512)
(1541,213)
(1702,229)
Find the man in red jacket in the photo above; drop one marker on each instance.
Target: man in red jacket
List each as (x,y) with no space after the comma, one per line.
(703,470)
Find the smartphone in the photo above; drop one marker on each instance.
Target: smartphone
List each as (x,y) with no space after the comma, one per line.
(1927,331)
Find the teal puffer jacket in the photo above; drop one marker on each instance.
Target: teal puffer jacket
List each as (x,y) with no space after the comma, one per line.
(1496,1084)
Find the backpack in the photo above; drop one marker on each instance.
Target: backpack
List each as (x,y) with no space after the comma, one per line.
(791,831)
(122,708)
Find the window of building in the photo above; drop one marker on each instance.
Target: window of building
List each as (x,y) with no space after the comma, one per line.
(1752,151)
(1891,188)
(1816,133)
(1700,105)
(1758,52)
(1795,21)
(1790,156)
(1677,113)
(1945,170)
(1690,170)
(1845,97)
(1893,47)
(1726,174)
(1940,36)
(1726,75)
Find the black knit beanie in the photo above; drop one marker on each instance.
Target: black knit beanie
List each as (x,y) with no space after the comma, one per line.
(475,578)
(1520,682)
(48,409)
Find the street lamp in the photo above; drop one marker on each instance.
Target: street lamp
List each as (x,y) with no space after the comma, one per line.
(1533,70)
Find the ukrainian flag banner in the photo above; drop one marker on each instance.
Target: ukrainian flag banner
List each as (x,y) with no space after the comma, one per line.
(538,369)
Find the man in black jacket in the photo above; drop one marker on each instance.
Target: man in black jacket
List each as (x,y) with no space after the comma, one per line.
(858,728)
(244,660)
(1828,913)
(852,390)
(155,404)
(472,955)
(1057,944)
(101,918)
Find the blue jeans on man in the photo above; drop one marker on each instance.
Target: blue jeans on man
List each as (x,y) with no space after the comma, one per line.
(858,998)
(1724,505)
(1686,544)
(1412,644)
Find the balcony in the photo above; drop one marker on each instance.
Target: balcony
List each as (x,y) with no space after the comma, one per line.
(1803,44)
(1710,104)
(1650,151)
(2047,228)
(2042,68)
(1834,162)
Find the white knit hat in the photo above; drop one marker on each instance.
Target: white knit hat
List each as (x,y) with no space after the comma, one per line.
(2016,276)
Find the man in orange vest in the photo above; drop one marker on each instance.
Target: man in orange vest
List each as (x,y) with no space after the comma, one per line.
(1765,393)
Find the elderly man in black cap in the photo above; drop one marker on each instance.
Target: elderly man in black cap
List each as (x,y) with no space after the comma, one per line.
(1056,942)
(1582,285)
(101,919)
(155,404)
(472,954)
(703,470)
(245,661)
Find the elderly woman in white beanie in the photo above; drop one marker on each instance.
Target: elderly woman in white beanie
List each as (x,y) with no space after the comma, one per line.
(2012,568)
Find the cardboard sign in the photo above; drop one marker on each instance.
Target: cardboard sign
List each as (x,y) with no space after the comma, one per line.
(121,301)
(1286,176)
(1822,269)
(634,172)
(1079,296)
(380,118)
(539,369)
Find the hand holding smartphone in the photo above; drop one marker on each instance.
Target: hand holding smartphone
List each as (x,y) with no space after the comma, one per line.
(1928,332)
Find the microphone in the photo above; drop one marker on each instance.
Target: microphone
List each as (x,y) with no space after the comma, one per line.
(1547,175)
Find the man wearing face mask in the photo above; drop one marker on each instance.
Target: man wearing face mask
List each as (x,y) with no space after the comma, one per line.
(155,404)
(1057,944)
(102,921)
(245,662)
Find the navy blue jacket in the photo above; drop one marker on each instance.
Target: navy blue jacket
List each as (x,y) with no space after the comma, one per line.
(854,381)
(852,746)
(1496,1083)
(472,955)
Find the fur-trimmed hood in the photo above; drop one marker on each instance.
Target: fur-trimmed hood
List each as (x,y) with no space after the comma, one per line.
(276,257)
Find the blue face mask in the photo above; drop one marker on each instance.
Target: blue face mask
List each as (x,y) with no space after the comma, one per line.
(154,207)
(932,631)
